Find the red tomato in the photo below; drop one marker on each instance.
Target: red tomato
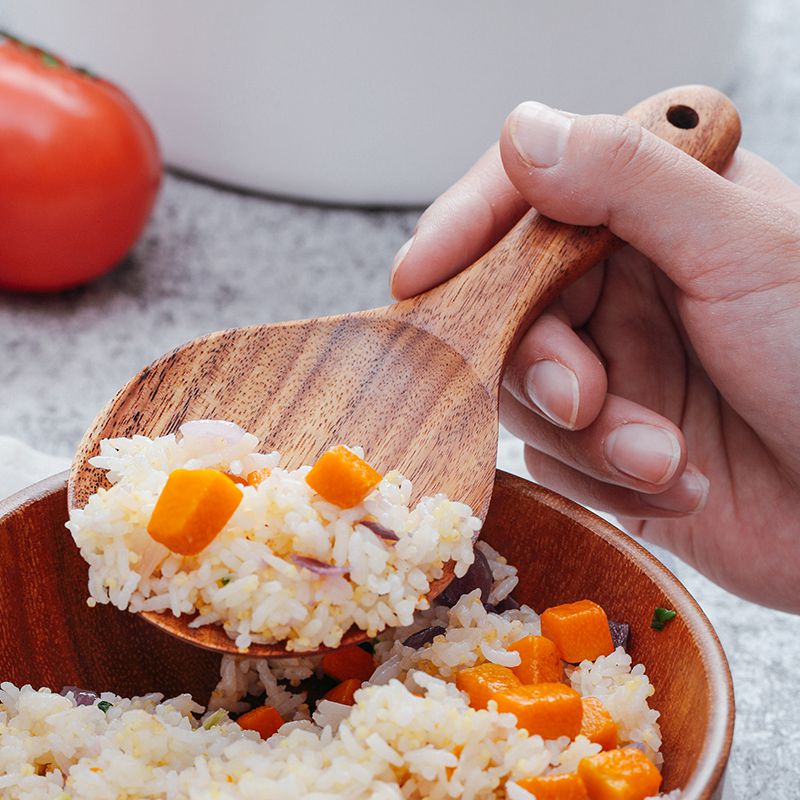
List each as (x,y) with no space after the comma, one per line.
(79,172)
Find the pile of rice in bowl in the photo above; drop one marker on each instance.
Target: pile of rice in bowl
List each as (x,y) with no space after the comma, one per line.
(475,697)
(409,733)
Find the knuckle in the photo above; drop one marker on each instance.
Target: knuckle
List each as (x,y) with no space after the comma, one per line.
(628,157)
(624,143)
(630,153)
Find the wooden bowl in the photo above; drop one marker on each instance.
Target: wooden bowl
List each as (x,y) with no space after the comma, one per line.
(50,637)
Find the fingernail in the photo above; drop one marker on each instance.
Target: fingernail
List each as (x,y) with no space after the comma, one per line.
(554,390)
(539,133)
(398,260)
(643,451)
(688,495)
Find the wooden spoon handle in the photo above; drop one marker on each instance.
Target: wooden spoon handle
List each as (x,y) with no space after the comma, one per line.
(482,311)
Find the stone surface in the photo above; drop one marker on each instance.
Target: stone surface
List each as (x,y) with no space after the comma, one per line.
(213,258)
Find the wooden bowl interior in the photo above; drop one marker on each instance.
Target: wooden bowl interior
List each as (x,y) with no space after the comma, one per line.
(50,637)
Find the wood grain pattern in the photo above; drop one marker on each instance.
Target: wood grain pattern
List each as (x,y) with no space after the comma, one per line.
(49,637)
(416,383)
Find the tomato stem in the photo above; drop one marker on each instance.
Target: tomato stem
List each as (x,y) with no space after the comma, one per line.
(48,58)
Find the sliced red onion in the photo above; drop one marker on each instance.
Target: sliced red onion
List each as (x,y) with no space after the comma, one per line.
(419,639)
(507,604)
(379,530)
(83,697)
(478,576)
(620,631)
(229,432)
(318,567)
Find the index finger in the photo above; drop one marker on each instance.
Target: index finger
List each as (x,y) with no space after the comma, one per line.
(458,227)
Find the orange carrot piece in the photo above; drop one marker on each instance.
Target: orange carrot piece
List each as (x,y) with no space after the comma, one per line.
(580,630)
(258,476)
(568,786)
(549,709)
(343,692)
(625,774)
(342,478)
(483,682)
(237,479)
(265,720)
(348,662)
(540,663)
(192,509)
(598,725)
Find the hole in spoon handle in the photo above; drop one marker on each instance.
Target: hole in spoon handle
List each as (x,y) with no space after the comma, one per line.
(699,120)
(683,117)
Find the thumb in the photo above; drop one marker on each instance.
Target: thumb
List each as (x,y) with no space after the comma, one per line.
(705,232)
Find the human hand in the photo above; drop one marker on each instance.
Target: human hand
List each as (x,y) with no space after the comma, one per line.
(663,385)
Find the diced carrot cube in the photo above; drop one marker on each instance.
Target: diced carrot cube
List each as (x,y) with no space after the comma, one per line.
(624,774)
(342,478)
(192,509)
(349,662)
(265,720)
(483,682)
(344,692)
(549,709)
(568,786)
(580,630)
(598,725)
(540,663)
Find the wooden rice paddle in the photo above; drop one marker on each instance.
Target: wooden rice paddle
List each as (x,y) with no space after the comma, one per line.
(416,383)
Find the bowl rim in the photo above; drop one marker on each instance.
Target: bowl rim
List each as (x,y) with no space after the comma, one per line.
(713,758)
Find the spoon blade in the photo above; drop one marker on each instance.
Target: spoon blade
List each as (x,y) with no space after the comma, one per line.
(412,402)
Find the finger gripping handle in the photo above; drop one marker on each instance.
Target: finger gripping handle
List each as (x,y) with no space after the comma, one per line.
(482,311)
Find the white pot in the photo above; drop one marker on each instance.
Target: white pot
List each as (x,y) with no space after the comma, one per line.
(372,101)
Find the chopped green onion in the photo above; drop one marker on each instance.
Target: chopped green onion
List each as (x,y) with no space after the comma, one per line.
(104,705)
(661,616)
(48,60)
(224,581)
(218,716)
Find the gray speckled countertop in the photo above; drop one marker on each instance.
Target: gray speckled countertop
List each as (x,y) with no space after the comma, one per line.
(213,258)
